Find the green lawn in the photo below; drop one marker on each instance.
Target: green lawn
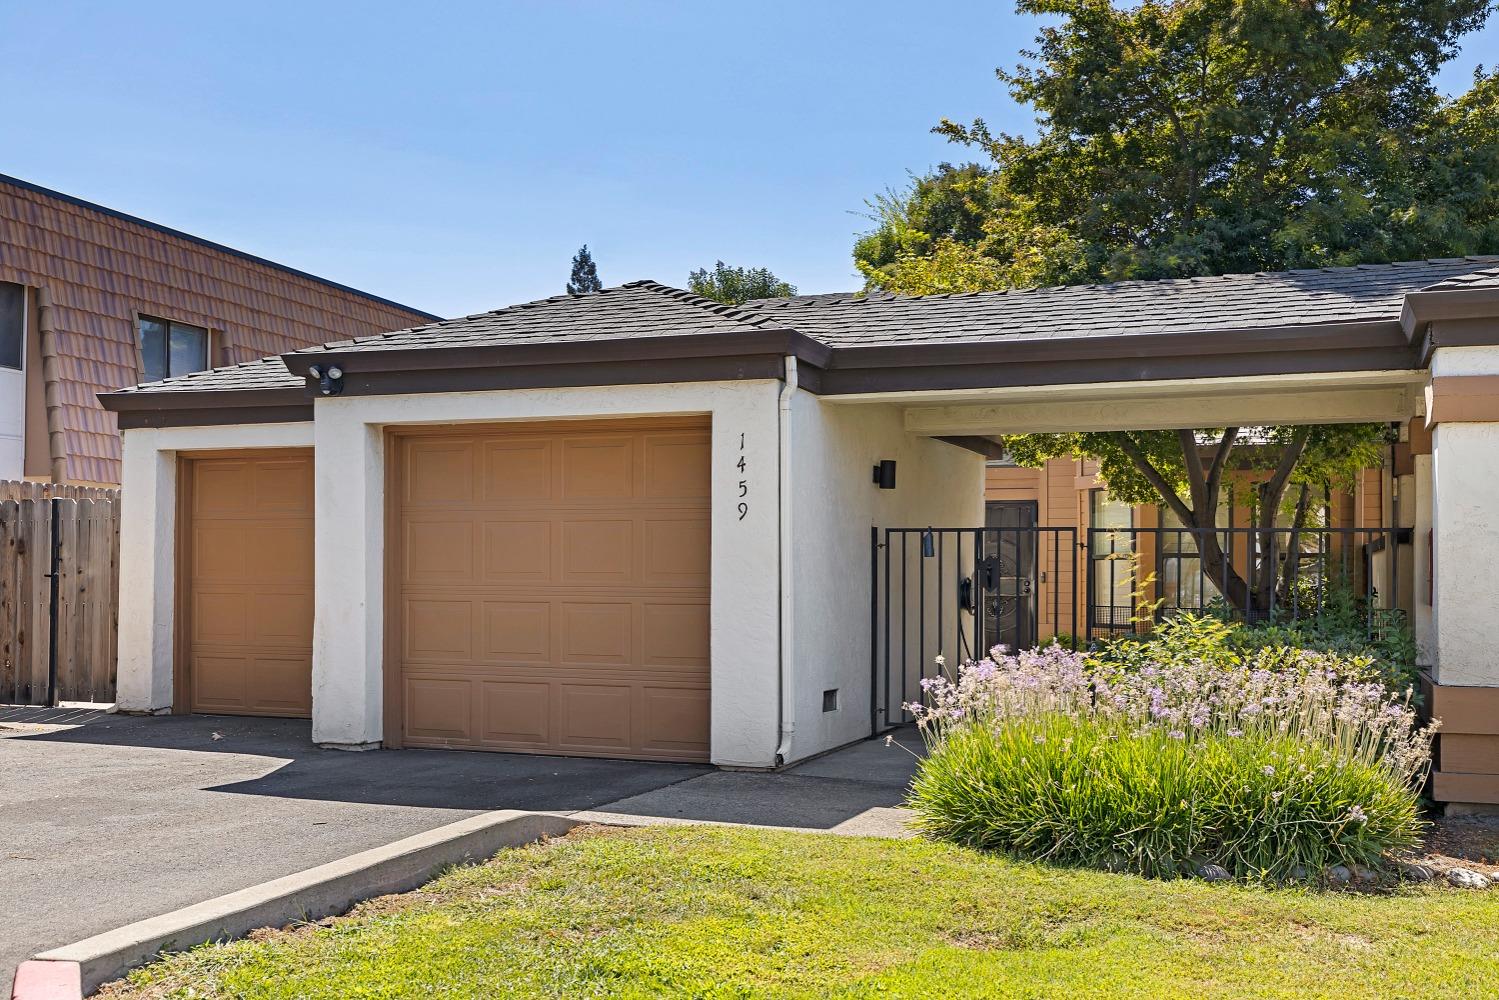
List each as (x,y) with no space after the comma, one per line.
(718,912)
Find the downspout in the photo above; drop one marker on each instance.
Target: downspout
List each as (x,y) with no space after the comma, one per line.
(786,715)
(51,386)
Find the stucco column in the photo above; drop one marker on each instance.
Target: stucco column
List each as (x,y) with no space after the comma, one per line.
(1463,409)
(348,565)
(148,522)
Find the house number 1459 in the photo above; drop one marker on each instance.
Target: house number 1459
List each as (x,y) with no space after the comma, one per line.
(743,483)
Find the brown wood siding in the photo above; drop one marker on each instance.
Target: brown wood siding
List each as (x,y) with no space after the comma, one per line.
(103,271)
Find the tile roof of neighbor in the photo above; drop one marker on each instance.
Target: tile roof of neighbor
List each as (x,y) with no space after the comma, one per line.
(647,309)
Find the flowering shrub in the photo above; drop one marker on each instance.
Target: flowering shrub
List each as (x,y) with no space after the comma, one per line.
(1281,760)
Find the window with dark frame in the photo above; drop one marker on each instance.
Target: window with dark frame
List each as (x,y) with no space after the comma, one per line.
(1111,546)
(12,325)
(170,349)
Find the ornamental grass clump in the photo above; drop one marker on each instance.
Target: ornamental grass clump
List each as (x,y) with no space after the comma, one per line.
(1275,767)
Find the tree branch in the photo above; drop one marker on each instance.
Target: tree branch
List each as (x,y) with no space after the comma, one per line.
(1154,478)
(1196,481)
(1220,459)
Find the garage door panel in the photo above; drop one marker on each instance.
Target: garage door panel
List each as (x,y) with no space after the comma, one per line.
(598,468)
(283,487)
(676,551)
(439,709)
(594,716)
(581,627)
(281,618)
(219,617)
(516,712)
(597,551)
(219,681)
(249,586)
(439,630)
(278,551)
(675,719)
(437,551)
(675,635)
(517,632)
(596,633)
(517,471)
(279,685)
(442,472)
(518,551)
(221,488)
(676,467)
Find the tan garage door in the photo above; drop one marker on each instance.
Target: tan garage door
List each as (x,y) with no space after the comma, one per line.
(248,563)
(551,588)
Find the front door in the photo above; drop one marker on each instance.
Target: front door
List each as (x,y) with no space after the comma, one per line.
(1008,574)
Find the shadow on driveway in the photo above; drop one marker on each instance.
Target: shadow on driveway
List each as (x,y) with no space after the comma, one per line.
(434,779)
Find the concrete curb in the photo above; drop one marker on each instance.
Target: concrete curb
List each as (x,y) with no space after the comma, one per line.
(309,895)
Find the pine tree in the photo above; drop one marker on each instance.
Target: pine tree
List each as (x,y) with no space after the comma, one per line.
(585,277)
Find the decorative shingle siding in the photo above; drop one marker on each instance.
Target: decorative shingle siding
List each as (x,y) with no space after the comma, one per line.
(102,269)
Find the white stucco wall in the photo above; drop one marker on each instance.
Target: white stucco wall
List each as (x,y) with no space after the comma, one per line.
(348,635)
(148,551)
(835,503)
(1465,532)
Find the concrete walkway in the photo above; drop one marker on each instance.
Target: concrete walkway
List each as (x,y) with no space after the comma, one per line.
(856,791)
(108,819)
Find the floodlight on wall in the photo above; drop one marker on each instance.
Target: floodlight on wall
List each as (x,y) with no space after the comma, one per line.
(330,380)
(884,474)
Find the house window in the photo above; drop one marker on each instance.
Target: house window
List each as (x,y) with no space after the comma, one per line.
(1111,548)
(169,349)
(1184,584)
(12,324)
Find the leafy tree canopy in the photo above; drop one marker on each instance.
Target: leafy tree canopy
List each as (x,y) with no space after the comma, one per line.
(1199,137)
(1180,138)
(737,285)
(585,276)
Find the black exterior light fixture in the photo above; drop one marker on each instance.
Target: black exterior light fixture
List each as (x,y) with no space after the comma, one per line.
(330,380)
(884,474)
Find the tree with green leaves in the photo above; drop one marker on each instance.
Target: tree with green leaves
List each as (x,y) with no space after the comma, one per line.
(1187,472)
(1181,138)
(585,276)
(737,285)
(1198,137)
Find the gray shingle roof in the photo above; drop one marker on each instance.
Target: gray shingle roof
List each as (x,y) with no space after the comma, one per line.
(1285,298)
(647,309)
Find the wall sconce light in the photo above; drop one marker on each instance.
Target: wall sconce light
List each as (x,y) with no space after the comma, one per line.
(928,544)
(884,474)
(330,379)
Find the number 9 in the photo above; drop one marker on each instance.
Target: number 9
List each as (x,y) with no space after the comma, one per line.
(743,510)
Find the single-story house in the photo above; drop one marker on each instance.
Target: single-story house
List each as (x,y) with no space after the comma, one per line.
(637,523)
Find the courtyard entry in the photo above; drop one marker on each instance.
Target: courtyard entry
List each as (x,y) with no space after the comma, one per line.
(246,554)
(548,588)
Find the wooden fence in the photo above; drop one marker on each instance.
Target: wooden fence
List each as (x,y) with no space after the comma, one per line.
(59,593)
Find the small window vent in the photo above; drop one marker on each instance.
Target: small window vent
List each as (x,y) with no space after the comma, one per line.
(830,700)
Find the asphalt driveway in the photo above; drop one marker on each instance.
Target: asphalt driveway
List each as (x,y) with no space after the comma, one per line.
(108,819)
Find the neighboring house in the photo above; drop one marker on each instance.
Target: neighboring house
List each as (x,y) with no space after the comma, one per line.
(639,523)
(92,300)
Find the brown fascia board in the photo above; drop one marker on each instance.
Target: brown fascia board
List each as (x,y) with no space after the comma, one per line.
(1249,351)
(1422,308)
(704,346)
(206,407)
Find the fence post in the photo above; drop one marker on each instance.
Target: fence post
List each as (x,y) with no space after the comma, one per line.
(54,562)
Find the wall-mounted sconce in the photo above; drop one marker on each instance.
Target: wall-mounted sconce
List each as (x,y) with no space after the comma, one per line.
(884,474)
(928,544)
(330,380)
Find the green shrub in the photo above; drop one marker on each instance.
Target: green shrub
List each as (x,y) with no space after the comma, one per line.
(1080,791)
(1160,755)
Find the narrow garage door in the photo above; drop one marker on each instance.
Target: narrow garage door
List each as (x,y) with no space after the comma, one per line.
(248,633)
(551,588)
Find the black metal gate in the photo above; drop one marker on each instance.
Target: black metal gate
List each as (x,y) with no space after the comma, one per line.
(955,593)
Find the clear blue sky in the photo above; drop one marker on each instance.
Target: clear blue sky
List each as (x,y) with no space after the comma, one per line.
(453,155)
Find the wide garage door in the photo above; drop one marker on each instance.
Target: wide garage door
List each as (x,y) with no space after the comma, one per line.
(248,614)
(550,588)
